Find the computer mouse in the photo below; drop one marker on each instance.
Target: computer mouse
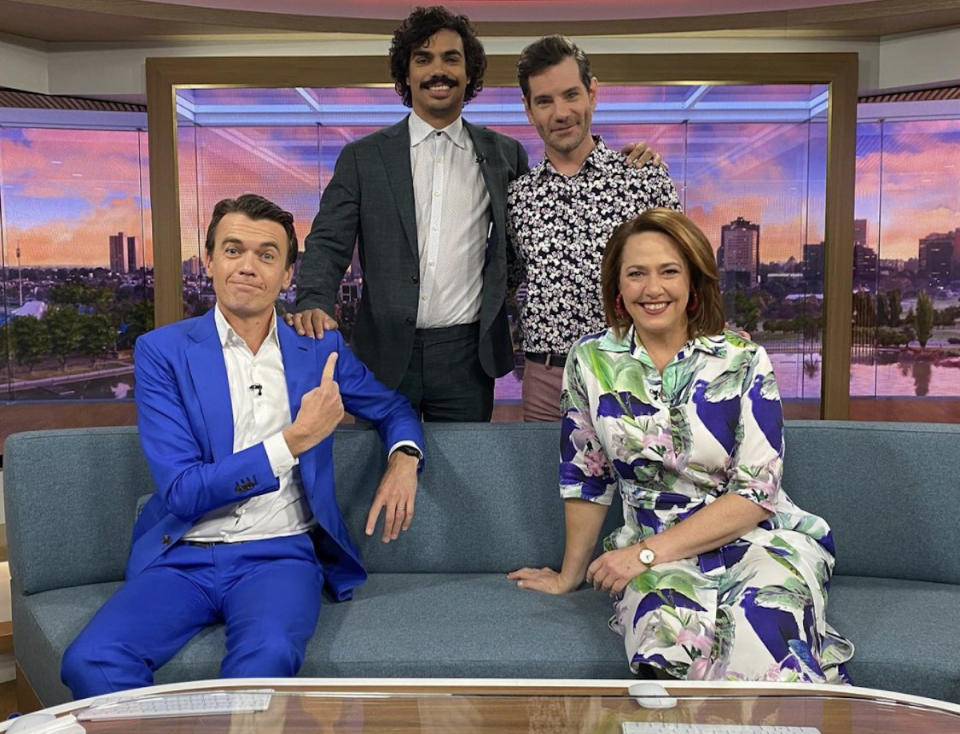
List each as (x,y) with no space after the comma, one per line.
(42,722)
(651,695)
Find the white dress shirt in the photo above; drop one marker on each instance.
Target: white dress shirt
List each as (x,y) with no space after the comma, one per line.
(453,223)
(259,415)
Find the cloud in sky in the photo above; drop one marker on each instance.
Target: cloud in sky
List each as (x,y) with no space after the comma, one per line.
(65,191)
(83,242)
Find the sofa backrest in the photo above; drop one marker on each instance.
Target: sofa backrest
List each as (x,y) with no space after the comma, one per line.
(888,491)
(70,499)
(488,499)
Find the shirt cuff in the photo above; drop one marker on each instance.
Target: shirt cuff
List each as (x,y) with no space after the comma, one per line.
(398,444)
(278,454)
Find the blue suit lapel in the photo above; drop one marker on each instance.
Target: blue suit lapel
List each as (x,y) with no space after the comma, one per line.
(301,372)
(208,372)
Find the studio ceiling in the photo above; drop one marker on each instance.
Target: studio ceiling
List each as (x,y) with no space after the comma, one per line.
(136,21)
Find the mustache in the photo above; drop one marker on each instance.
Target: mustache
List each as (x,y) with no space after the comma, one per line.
(441,78)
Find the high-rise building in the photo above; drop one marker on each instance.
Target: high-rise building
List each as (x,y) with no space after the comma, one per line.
(740,241)
(116,253)
(935,257)
(860,232)
(813,264)
(131,254)
(192,267)
(864,258)
(864,265)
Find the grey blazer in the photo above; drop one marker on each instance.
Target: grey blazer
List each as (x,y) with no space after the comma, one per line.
(369,201)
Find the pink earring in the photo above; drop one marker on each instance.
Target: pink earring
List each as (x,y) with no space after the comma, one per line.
(619,307)
(693,303)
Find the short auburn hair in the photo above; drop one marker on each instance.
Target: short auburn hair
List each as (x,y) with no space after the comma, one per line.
(708,318)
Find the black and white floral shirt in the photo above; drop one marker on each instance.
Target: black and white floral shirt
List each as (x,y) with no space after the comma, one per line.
(558,227)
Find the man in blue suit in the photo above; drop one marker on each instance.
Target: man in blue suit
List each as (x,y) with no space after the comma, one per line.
(243,527)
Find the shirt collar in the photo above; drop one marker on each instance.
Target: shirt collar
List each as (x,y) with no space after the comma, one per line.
(599,159)
(229,337)
(712,345)
(420,130)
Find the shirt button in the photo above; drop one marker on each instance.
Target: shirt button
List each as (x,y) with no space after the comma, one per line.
(423,298)
(436,194)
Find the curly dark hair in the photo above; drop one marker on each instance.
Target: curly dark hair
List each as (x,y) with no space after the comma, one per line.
(418,27)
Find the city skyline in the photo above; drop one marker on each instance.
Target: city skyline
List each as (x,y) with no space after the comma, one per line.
(66,191)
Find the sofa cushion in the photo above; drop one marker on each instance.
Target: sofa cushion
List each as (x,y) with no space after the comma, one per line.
(882,487)
(904,633)
(420,625)
(455,625)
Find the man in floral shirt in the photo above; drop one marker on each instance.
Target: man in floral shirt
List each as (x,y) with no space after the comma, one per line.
(561,214)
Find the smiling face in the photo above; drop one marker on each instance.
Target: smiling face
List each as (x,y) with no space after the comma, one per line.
(561,109)
(248,266)
(655,284)
(438,78)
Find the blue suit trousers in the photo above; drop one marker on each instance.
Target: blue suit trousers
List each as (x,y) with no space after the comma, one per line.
(265,592)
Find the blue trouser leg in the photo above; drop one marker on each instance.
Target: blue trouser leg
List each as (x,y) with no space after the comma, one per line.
(141,626)
(270,605)
(266,591)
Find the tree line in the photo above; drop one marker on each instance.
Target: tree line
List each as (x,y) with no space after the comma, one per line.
(80,321)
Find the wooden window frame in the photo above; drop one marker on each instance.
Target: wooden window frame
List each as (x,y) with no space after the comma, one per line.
(839,71)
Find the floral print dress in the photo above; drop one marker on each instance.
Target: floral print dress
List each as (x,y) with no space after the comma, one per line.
(671,444)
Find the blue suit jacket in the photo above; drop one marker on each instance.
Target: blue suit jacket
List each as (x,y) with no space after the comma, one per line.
(186,430)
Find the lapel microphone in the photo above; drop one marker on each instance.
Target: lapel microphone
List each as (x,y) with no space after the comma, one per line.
(481,158)
(258,387)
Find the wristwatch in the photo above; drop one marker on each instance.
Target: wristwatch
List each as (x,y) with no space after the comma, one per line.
(646,555)
(409,451)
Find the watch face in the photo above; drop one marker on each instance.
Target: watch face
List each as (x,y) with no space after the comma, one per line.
(647,556)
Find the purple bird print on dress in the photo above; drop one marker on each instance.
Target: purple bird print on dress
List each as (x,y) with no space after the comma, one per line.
(719,416)
(767,411)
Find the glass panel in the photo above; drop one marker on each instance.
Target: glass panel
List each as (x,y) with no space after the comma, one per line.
(750,188)
(75,271)
(869,337)
(907,182)
(280,162)
(724,164)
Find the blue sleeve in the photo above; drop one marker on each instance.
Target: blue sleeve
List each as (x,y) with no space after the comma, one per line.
(364,396)
(187,478)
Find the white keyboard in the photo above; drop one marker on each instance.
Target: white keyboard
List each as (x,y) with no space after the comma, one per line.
(662,727)
(178,704)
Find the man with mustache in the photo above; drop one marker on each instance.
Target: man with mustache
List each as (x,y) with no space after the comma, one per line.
(425,200)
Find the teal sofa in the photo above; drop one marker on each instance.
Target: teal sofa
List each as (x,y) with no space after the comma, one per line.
(437,602)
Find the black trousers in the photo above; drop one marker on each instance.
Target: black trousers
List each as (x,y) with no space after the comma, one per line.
(444,380)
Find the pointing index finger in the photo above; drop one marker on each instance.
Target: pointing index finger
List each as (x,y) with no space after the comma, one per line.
(329,367)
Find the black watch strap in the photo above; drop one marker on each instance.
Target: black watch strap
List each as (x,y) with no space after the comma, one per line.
(410,451)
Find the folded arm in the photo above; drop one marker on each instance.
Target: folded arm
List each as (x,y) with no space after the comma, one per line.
(190,482)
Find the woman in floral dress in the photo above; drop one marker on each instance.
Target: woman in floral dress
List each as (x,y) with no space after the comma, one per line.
(716,573)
